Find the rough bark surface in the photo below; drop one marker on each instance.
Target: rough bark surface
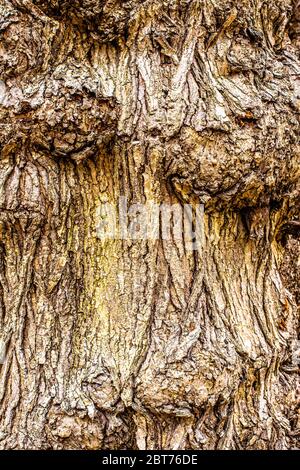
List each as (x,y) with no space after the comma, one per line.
(136,343)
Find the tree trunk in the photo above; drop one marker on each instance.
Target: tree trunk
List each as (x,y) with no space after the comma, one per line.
(139,342)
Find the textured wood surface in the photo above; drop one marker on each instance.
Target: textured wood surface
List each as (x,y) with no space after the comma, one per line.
(136,343)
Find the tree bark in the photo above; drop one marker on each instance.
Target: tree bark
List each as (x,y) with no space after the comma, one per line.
(142,343)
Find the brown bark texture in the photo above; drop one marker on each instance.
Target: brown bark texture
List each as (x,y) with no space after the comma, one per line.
(123,343)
